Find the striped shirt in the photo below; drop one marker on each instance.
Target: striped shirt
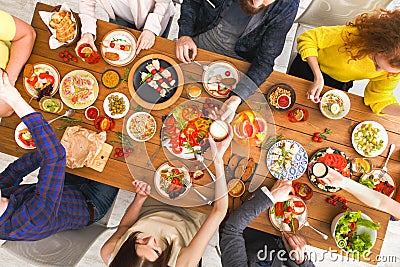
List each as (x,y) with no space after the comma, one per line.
(39,210)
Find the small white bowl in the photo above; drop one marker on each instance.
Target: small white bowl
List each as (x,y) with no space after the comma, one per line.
(326,111)
(86,111)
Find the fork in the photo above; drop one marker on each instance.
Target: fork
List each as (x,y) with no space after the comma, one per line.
(204,67)
(384,168)
(68,113)
(200,158)
(306,223)
(190,185)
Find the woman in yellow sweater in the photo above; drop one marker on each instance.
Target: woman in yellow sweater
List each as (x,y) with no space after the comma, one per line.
(368,48)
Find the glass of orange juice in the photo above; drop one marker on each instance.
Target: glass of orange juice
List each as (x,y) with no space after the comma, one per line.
(193,91)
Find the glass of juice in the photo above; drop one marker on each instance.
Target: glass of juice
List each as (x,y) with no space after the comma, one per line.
(193,91)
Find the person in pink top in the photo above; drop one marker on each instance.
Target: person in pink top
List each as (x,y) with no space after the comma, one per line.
(150,16)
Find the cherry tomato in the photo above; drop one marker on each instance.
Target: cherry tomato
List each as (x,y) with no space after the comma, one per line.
(160,81)
(74,99)
(161,69)
(148,80)
(50,79)
(169,79)
(158,89)
(42,75)
(61,55)
(122,47)
(153,71)
(227,73)
(352,226)
(286,220)
(32,80)
(289,209)
(65,59)
(74,59)
(112,45)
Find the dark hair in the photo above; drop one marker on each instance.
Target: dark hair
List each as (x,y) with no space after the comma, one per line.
(377,33)
(127,257)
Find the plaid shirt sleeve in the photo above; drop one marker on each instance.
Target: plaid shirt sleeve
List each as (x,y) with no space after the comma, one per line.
(50,156)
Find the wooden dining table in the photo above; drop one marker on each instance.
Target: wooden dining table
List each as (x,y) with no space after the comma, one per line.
(118,173)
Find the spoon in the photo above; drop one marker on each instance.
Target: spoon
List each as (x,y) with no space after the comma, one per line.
(204,67)
(68,113)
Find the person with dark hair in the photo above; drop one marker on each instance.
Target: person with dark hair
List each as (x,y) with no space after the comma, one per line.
(251,30)
(155,234)
(16,42)
(368,48)
(35,211)
(242,246)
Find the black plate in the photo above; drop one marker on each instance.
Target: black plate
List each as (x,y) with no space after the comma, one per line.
(283,86)
(312,178)
(148,93)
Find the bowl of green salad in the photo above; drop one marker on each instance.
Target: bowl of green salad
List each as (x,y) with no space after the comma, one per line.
(354,232)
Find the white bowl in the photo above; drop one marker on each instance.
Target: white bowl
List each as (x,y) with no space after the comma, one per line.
(360,229)
(340,114)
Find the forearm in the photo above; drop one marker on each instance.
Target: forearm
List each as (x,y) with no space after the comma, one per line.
(133,211)
(313,63)
(87,16)
(372,198)
(20,51)
(21,107)
(221,196)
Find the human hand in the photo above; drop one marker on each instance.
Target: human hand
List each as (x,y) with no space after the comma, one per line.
(281,190)
(184,45)
(8,93)
(333,178)
(314,91)
(142,189)
(228,109)
(146,40)
(86,38)
(295,246)
(218,148)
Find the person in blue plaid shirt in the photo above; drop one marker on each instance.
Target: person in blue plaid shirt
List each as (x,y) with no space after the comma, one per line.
(54,204)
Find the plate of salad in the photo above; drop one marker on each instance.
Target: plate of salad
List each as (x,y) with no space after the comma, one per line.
(185,131)
(168,181)
(41,79)
(354,232)
(384,185)
(369,138)
(333,158)
(287,159)
(287,215)
(23,137)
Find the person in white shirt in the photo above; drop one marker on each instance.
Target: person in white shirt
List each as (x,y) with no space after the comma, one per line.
(150,16)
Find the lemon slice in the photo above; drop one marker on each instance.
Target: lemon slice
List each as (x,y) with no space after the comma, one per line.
(299,114)
(87,50)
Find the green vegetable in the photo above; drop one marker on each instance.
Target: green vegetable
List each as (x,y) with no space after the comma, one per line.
(348,239)
(368,182)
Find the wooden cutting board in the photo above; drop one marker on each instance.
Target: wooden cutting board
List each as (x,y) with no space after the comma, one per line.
(101,159)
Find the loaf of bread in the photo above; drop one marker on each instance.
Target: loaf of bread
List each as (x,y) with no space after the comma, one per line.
(64,26)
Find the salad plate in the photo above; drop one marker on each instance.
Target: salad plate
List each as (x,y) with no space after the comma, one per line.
(118,47)
(335,104)
(168,181)
(369,138)
(41,79)
(354,232)
(23,137)
(287,159)
(289,215)
(185,131)
(79,89)
(155,81)
(116,105)
(333,158)
(141,126)
(384,185)
(216,73)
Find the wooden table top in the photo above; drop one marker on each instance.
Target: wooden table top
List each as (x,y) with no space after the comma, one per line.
(117,172)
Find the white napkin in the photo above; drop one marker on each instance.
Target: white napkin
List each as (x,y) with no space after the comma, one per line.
(46,17)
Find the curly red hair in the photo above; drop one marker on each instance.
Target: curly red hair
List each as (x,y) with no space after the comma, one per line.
(377,33)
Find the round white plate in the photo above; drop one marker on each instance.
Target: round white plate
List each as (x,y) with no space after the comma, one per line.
(157,179)
(16,134)
(125,57)
(386,176)
(219,68)
(277,222)
(52,71)
(382,136)
(128,123)
(106,102)
(346,104)
(83,101)
(298,164)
